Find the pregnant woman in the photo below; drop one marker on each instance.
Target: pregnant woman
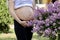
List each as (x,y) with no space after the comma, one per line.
(22,11)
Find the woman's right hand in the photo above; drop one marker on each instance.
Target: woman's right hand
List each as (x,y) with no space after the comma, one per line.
(24,23)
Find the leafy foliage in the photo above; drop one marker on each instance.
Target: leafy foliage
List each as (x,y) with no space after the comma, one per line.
(5,18)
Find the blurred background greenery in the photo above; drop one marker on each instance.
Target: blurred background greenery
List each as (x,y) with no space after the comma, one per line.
(5,18)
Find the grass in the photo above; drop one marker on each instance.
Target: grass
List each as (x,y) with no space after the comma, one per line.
(35,37)
(11,36)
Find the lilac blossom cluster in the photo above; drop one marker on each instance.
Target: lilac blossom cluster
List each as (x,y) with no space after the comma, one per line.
(47,21)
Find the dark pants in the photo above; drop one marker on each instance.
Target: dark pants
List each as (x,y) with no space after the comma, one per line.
(21,32)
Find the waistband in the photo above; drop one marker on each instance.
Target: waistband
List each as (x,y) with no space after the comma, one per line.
(22,5)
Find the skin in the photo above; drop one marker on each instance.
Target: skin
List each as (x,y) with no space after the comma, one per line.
(18,14)
(25,13)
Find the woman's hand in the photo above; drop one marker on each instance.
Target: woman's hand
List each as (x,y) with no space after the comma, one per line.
(24,23)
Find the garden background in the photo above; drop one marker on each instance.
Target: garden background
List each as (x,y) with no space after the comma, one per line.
(6,23)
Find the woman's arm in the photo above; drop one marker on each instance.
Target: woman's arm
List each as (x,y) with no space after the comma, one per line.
(34,4)
(11,10)
(13,14)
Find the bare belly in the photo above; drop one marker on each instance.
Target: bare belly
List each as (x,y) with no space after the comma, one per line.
(25,13)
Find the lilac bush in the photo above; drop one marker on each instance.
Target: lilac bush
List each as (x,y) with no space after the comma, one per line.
(47,21)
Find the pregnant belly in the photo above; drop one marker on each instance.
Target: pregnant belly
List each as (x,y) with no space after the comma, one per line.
(25,13)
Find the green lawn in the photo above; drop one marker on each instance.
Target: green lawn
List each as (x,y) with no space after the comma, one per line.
(11,36)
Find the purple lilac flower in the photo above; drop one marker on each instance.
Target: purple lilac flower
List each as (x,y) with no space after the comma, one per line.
(36,13)
(42,11)
(40,18)
(47,24)
(52,18)
(55,15)
(58,22)
(35,21)
(55,29)
(47,20)
(54,9)
(55,3)
(53,33)
(47,32)
(58,16)
(41,27)
(50,7)
(54,24)
(30,23)
(40,15)
(50,22)
(49,29)
(36,28)
(41,22)
(57,6)
(58,9)
(50,10)
(59,28)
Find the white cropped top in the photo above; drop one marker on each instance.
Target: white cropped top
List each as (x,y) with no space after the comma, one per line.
(20,3)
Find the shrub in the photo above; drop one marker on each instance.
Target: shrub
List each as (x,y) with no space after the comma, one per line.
(5,18)
(47,21)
